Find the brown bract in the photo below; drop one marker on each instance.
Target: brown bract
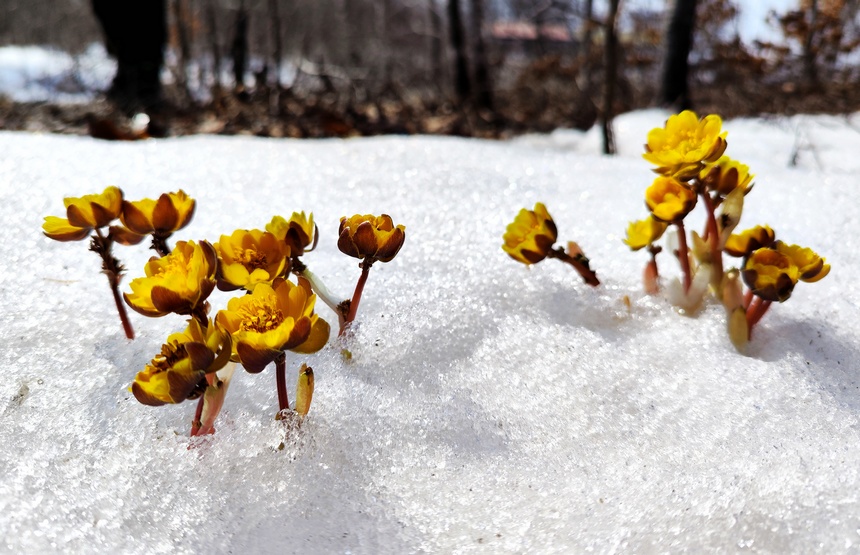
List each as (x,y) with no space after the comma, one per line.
(370,237)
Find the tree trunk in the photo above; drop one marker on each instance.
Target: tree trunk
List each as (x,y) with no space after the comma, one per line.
(277,40)
(679,42)
(809,46)
(462,83)
(239,49)
(179,20)
(135,34)
(483,87)
(436,48)
(611,76)
(216,49)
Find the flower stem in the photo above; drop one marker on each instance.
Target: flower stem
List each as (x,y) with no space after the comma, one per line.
(197,423)
(113,269)
(684,255)
(351,308)
(748,298)
(159,244)
(120,306)
(713,237)
(320,289)
(579,263)
(756,310)
(281,379)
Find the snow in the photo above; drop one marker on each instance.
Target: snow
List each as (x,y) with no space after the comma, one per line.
(38,74)
(488,407)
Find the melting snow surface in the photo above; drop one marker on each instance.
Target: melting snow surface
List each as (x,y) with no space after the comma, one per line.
(488,407)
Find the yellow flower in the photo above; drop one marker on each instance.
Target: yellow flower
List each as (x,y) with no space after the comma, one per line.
(669,200)
(685,144)
(83,214)
(529,238)
(271,320)
(179,282)
(298,233)
(770,274)
(811,266)
(741,244)
(642,233)
(171,212)
(179,371)
(370,237)
(726,175)
(249,258)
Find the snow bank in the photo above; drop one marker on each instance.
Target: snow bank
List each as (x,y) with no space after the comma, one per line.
(488,407)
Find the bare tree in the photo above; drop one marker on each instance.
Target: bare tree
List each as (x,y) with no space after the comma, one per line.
(135,34)
(462,83)
(483,86)
(611,53)
(679,42)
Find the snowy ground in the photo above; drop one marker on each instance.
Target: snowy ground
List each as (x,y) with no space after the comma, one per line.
(488,408)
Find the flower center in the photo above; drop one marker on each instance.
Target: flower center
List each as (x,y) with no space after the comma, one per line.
(170,354)
(253,260)
(261,319)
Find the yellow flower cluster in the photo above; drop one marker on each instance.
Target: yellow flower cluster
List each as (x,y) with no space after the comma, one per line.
(772,272)
(530,237)
(689,155)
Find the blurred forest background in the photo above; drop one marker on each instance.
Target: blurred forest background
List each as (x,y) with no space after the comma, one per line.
(490,68)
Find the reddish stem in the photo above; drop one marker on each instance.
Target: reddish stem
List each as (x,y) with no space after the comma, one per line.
(281,379)
(113,270)
(684,255)
(756,310)
(748,297)
(713,237)
(356,296)
(120,306)
(197,423)
(588,275)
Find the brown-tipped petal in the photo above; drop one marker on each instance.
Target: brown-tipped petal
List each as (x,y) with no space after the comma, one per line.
(316,238)
(316,339)
(365,239)
(143,311)
(124,236)
(821,274)
(210,255)
(813,270)
(188,215)
(165,216)
(72,234)
(134,219)
(346,246)
(102,215)
(253,360)
(531,256)
(226,350)
(392,246)
(299,334)
(200,355)
(77,218)
(183,384)
(144,397)
(342,225)
(166,301)
(206,288)
(226,286)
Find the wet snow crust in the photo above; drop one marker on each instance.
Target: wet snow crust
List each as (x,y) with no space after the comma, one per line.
(488,407)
